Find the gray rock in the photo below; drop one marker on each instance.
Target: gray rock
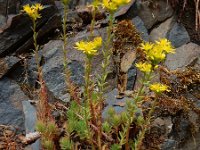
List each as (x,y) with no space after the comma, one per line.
(15,35)
(2,7)
(192,144)
(2,21)
(139,24)
(30,122)
(30,116)
(53,70)
(181,130)
(184,56)
(162,30)
(53,67)
(132,72)
(7,63)
(112,101)
(11,98)
(13,6)
(178,35)
(151,16)
(127,11)
(169,145)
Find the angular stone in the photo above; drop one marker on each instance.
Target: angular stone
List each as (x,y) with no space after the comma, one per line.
(53,67)
(184,56)
(151,15)
(126,12)
(30,122)
(112,101)
(11,98)
(3,7)
(168,145)
(132,73)
(127,60)
(178,35)
(7,63)
(52,23)
(162,30)
(19,31)
(139,24)
(2,21)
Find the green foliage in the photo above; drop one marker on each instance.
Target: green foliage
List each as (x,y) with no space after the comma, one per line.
(107,127)
(84,117)
(48,144)
(41,127)
(115,147)
(66,143)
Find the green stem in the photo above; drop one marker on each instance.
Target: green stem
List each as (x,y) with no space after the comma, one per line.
(35,45)
(102,80)
(145,126)
(65,61)
(140,92)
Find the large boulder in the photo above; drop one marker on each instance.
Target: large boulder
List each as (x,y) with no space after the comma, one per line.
(162,30)
(139,24)
(154,12)
(19,31)
(53,70)
(11,98)
(178,35)
(7,63)
(185,56)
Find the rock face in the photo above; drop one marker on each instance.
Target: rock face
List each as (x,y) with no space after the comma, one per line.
(185,55)
(53,70)
(19,31)
(153,13)
(53,67)
(11,98)
(168,145)
(2,21)
(162,30)
(30,121)
(178,35)
(139,24)
(112,101)
(7,63)
(13,6)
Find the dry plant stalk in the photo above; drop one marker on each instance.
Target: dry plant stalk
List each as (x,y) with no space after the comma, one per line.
(197,14)
(31,137)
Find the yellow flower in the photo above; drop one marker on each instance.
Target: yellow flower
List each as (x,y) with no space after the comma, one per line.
(147,46)
(156,54)
(65,2)
(110,5)
(33,11)
(144,67)
(89,48)
(37,7)
(166,46)
(158,87)
(96,3)
(121,2)
(113,5)
(97,42)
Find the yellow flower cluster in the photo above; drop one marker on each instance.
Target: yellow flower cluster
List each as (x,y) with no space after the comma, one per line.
(144,67)
(159,88)
(113,5)
(89,48)
(156,52)
(65,2)
(33,11)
